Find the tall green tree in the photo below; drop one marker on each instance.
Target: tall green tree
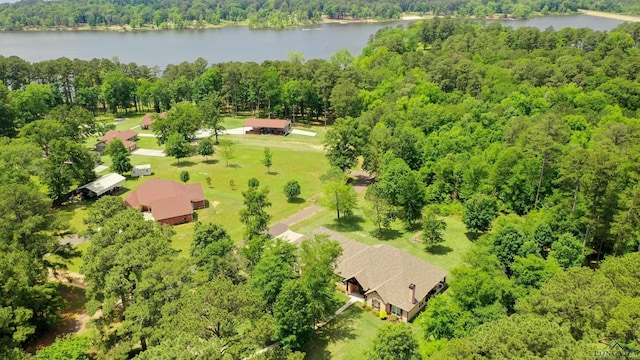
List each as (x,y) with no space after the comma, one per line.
(293,315)
(177,147)
(402,188)
(318,259)
(479,213)
(345,142)
(210,108)
(205,148)
(184,119)
(120,156)
(227,150)
(432,229)
(275,268)
(337,194)
(254,216)
(114,261)
(378,209)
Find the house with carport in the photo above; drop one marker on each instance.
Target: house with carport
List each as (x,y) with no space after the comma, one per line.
(388,278)
(267,126)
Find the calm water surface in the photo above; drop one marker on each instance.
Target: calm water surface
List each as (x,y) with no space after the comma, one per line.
(227,44)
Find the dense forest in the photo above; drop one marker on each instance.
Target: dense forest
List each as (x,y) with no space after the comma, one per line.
(40,14)
(530,136)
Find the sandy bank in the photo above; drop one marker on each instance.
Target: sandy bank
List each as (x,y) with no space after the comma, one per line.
(610,15)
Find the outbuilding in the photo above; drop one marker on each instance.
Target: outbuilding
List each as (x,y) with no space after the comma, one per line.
(141,170)
(267,126)
(108,184)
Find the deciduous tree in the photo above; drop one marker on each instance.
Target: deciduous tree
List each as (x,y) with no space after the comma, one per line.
(205,148)
(394,342)
(292,190)
(267,159)
(120,156)
(177,147)
(227,150)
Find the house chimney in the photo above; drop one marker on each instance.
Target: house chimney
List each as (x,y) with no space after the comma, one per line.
(412,293)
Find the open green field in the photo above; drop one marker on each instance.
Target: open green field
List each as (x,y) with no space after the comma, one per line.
(295,157)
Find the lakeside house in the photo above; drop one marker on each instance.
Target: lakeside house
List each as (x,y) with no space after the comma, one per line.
(168,202)
(388,278)
(267,126)
(128,138)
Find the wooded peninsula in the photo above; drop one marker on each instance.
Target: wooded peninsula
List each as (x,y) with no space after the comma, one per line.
(529,140)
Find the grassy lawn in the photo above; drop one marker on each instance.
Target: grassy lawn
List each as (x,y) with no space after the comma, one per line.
(348,336)
(75,264)
(447,255)
(225,202)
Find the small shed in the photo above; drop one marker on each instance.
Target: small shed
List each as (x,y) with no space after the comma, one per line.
(267,126)
(141,170)
(104,185)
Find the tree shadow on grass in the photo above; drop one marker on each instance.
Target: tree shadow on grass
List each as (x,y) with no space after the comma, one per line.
(339,329)
(472,235)
(386,235)
(235,166)
(297,200)
(183,163)
(347,223)
(439,250)
(211,161)
(273,173)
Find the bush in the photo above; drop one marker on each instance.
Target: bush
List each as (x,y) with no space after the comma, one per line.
(292,190)
(382,315)
(184,176)
(254,183)
(393,318)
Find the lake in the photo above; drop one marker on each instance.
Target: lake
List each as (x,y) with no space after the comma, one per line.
(233,43)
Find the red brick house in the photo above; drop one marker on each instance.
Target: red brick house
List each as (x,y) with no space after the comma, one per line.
(128,138)
(267,126)
(148,120)
(169,202)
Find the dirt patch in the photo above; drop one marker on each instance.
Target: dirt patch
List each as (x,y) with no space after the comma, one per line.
(73,318)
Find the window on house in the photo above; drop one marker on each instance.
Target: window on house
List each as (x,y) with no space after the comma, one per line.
(376,304)
(396,310)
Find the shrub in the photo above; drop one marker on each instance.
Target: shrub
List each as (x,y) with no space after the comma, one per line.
(382,315)
(254,183)
(393,318)
(184,176)
(292,190)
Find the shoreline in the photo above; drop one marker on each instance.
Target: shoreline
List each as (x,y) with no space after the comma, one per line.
(607,15)
(324,20)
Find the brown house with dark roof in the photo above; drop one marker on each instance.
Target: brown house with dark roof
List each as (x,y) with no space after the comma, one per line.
(168,201)
(148,119)
(267,126)
(128,138)
(389,278)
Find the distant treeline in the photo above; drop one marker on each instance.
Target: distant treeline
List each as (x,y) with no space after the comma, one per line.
(179,14)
